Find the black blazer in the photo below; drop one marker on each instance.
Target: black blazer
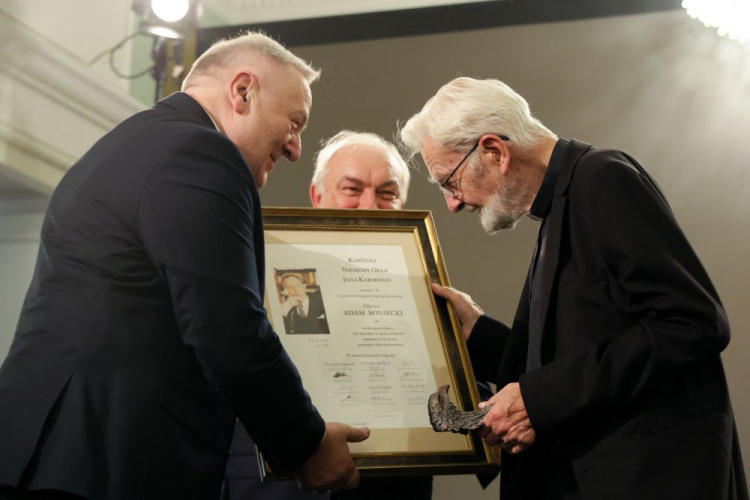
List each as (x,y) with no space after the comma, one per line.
(632,392)
(143,331)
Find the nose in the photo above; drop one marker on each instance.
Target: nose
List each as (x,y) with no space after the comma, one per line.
(368,200)
(454,204)
(293,148)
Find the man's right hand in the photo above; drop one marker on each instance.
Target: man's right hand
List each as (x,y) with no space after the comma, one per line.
(289,304)
(467,310)
(331,466)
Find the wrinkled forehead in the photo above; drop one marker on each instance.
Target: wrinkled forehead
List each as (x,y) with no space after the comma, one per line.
(434,156)
(366,162)
(301,105)
(367,156)
(301,90)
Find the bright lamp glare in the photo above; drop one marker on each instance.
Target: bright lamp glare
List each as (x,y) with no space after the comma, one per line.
(731,18)
(170,10)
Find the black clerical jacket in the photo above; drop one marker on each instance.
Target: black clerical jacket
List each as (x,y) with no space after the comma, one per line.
(143,332)
(631,398)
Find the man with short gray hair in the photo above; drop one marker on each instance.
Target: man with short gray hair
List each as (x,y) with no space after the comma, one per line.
(143,333)
(610,378)
(359,170)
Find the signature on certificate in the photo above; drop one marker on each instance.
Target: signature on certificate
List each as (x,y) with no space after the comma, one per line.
(410,375)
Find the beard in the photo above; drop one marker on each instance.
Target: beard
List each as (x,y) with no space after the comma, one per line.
(504,208)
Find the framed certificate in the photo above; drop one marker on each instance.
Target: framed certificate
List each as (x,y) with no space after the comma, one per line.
(348,292)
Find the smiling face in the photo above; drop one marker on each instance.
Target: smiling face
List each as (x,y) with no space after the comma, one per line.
(358,177)
(268,123)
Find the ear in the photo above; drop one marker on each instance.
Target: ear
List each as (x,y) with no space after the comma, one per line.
(242,89)
(493,145)
(315,196)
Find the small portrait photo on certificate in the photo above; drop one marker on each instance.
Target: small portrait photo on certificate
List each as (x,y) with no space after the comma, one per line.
(301,301)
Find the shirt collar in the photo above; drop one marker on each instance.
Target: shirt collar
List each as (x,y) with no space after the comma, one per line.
(207,113)
(212,119)
(543,201)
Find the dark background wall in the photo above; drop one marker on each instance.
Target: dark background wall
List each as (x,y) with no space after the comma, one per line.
(658,85)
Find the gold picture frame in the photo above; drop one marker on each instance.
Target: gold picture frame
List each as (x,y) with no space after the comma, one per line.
(348,292)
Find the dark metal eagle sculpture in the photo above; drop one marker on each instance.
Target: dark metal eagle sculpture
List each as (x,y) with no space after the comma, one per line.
(445,415)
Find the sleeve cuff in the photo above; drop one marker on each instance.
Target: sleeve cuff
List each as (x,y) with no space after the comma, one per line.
(485,345)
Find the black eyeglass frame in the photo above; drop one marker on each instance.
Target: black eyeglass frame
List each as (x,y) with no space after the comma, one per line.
(448,190)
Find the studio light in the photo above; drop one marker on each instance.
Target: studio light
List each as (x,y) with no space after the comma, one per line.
(731,18)
(168,18)
(170,10)
(172,23)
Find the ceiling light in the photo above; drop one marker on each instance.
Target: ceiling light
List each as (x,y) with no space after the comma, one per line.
(731,18)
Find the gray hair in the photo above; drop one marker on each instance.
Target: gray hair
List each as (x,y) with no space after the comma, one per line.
(465,108)
(225,53)
(397,167)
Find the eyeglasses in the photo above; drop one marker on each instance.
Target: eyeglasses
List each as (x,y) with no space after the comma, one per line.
(456,192)
(452,191)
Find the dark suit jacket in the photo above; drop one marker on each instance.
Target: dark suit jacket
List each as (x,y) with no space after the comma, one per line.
(632,391)
(314,322)
(143,331)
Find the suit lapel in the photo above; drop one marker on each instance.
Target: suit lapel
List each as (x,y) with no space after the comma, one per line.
(575,151)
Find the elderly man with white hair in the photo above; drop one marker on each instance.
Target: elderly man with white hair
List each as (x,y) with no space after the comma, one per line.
(610,378)
(359,170)
(143,333)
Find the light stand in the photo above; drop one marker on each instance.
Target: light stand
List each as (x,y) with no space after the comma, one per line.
(171,35)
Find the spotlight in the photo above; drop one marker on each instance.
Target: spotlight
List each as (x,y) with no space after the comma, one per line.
(172,23)
(170,10)
(731,18)
(168,18)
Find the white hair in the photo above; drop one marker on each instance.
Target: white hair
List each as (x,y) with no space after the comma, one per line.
(397,167)
(225,53)
(465,108)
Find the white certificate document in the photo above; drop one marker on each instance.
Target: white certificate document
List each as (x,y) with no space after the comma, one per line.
(356,315)
(370,365)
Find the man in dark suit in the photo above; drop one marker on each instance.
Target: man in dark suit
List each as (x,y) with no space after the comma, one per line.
(303,310)
(611,381)
(143,333)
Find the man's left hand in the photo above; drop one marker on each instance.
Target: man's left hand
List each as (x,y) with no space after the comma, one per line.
(507,422)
